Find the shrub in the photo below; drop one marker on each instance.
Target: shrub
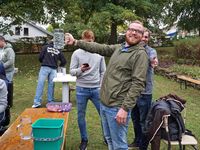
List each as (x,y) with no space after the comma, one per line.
(165,51)
(167,43)
(188,49)
(23,47)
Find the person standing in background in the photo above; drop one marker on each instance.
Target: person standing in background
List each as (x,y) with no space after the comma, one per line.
(7,57)
(49,57)
(89,69)
(3,100)
(143,103)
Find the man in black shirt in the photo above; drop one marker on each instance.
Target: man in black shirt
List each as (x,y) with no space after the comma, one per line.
(48,58)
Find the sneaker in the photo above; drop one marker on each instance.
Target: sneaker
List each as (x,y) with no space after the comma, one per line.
(36,105)
(133,145)
(83,145)
(105,141)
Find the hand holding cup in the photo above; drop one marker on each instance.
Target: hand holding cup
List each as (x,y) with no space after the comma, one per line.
(69,39)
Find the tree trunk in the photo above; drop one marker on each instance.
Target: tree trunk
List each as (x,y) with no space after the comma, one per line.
(113,34)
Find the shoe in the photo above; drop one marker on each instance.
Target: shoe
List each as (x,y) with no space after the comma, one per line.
(133,145)
(105,141)
(36,105)
(83,145)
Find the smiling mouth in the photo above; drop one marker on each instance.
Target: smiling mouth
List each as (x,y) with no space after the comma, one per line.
(132,37)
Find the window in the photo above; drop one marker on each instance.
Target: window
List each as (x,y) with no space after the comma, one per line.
(17,30)
(25,31)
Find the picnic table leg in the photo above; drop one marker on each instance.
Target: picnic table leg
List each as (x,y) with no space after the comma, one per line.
(65,92)
(185,84)
(181,83)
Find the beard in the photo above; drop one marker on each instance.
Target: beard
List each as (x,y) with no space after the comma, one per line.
(132,40)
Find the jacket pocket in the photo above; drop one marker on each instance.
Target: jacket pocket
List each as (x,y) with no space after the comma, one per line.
(116,93)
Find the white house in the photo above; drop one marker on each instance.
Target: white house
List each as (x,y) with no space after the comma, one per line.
(26,30)
(174,31)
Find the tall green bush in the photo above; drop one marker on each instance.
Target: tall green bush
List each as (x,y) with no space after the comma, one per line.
(188,49)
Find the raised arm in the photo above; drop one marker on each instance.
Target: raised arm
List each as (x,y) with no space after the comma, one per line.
(93,47)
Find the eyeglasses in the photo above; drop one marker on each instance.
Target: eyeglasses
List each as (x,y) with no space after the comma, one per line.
(135,30)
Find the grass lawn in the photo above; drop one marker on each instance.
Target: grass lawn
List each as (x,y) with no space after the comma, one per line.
(25,82)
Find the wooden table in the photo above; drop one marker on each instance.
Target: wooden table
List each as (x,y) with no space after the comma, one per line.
(11,140)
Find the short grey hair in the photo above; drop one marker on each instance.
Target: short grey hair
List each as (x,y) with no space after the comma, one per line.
(137,21)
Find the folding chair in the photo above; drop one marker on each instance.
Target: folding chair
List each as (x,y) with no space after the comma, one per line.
(187,140)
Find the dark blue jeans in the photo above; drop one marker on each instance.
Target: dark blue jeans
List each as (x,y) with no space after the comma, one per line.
(138,116)
(82,97)
(2,117)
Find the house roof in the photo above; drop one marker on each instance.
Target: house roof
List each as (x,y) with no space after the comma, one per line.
(31,23)
(39,28)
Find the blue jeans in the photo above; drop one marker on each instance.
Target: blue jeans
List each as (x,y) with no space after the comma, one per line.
(45,73)
(138,115)
(82,96)
(2,117)
(115,134)
(9,75)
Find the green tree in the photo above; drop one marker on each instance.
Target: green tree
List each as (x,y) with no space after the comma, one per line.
(104,16)
(185,12)
(43,11)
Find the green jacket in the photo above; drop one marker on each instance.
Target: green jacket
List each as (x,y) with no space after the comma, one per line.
(125,75)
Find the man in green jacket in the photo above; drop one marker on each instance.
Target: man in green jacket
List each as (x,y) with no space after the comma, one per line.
(123,81)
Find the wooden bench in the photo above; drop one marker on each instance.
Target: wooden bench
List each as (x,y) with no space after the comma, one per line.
(11,140)
(184,80)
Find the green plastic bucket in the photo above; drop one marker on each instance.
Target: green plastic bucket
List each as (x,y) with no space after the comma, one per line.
(48,134)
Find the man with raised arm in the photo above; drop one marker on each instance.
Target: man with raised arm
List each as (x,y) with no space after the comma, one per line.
(123,81)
